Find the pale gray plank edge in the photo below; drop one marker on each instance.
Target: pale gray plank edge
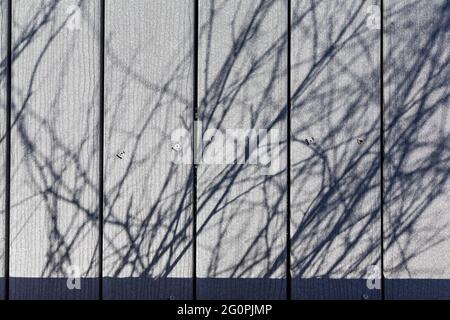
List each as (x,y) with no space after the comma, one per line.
(335,177)
(417,176)
(54,184)
(241,231)
(148,95)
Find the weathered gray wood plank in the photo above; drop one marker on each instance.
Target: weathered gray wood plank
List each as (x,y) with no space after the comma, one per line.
(3,65)
(335,179)
(148,197)
(242,206)
(417,184)
(54,185)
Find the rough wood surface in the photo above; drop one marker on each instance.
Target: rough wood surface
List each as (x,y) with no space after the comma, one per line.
(54,187)
(335,177)
(417,150)
(148,199)
(3,65)
(242,206)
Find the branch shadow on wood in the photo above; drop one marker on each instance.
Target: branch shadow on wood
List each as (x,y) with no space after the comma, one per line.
(337,179)
(334,241)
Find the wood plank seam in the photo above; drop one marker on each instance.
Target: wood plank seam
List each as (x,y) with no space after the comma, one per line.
(382,150)
(8,151)
(288,154)
(194,155)
(101,142)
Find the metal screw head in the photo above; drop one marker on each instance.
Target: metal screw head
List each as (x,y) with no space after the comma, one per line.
(172,298)
(309,140)
(365,296)
(176,147)
(120,155)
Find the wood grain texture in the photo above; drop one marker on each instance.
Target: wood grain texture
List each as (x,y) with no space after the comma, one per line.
(3,66)
(148,196)
(417,184)
(335,179)
(241,231)
(54,185)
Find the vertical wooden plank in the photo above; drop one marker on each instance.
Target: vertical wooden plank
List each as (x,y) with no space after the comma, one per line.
(335,224)
(241,231)
(3,75)
(54,187)
(148,195)
(417,184)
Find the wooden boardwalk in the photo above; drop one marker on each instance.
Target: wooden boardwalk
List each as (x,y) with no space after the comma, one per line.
(212,149)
